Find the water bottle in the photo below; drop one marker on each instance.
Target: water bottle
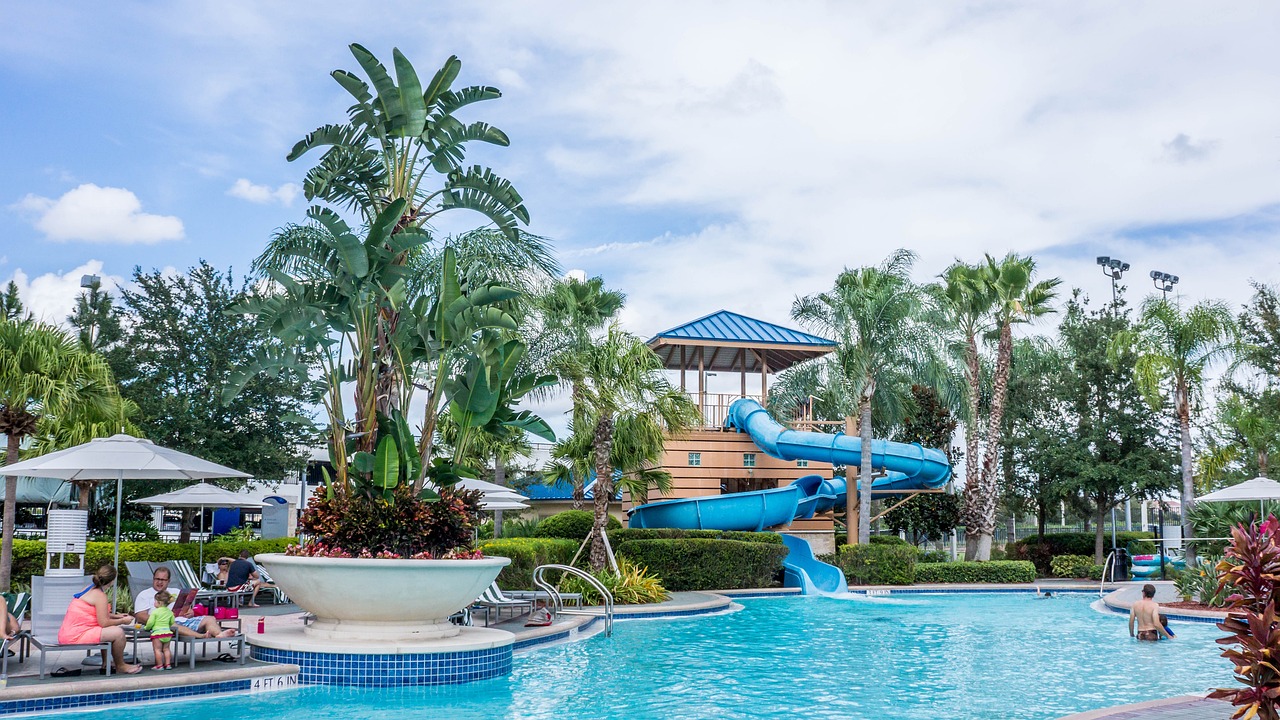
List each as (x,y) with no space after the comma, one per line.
(262,624)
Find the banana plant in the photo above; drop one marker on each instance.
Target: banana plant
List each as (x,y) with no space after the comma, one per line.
(400,133)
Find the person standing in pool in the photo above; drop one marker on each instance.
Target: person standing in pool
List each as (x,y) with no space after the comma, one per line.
(1146,613)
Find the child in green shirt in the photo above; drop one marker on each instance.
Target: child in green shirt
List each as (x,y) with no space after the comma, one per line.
(160,625)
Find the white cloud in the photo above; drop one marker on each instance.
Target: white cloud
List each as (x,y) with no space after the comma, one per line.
(99,214)
(52,296)
(263,194)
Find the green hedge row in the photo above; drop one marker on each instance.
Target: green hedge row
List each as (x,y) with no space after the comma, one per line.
(697,563)
(1042,551)
(995,571)
(617,537)
(527,554)
(878,563)
(28,555)
(1071,566)
(572,525)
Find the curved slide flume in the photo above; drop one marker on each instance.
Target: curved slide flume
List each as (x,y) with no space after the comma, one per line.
(909,466)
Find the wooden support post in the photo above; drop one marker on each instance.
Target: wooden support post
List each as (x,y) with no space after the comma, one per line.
(683,388)
(702,388)
(764,378)
(742,357)
(894,506)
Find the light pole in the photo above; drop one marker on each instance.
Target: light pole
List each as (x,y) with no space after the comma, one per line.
(1164,282)
(1114,269)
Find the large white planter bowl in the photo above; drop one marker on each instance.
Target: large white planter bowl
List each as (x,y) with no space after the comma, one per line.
(365,599)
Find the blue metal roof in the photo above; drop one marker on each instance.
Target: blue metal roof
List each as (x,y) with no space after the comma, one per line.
(732,327)
(563,490)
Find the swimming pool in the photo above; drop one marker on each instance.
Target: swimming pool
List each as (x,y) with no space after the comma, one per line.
(955,656)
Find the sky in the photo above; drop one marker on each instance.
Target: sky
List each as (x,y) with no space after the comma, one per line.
(697,156)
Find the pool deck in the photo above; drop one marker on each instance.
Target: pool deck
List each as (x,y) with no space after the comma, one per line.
(1185,707)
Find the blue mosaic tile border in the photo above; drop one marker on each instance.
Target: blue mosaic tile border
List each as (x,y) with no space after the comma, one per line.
(748,595)
(74,702)
(385,670)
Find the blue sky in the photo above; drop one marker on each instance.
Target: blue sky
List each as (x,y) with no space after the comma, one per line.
(698,156)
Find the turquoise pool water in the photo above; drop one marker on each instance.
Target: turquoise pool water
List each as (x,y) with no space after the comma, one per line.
(959,657)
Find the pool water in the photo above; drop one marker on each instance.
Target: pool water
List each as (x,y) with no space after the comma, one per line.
(953,656)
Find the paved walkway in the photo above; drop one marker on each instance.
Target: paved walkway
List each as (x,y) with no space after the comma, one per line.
(1179,708)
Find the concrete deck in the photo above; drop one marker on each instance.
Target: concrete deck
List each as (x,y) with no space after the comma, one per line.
(1186,707)
(1126,594)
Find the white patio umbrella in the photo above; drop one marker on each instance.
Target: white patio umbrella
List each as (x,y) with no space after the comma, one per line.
(497,505)
(1259,489)
(201,495)
(119,457)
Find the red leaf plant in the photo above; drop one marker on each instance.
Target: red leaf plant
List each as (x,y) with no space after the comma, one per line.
(1252,564)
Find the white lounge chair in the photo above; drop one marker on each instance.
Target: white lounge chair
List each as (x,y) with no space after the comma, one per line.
(50,599)
(493,598)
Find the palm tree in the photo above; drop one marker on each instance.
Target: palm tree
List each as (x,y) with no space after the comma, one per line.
(621,379)
(883,346)
(1174,350)
(572,313)
(1016,298)
(43,374)
(965,300)
(635,454)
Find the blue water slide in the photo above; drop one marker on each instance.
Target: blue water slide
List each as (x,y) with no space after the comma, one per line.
(751,511)
(909,466)
(814,577)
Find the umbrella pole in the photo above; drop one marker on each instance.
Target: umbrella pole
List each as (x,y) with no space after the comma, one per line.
(201,565)
(119,498)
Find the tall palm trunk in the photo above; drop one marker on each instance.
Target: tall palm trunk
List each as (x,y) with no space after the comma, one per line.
(85,490)
(864,470)
(579,414)
(1188,483)
(10,513)
(603,445)
(972,513)
(978,545)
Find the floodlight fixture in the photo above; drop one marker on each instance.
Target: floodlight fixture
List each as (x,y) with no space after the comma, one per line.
(1163,281)
(1113,268)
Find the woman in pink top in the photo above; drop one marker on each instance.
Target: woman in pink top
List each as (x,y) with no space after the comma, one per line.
(90,620)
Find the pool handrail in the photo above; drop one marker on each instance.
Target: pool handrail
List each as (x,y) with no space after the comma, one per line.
(1109,562)
(554,595)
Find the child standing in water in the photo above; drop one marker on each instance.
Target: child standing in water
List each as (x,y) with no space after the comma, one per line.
(160,625)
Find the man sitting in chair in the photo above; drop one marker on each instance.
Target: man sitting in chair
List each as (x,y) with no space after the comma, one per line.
(188,624)
(243,576)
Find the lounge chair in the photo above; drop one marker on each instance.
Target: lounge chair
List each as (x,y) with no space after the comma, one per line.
(17,604)
(183,577)
(50,598)
(492,598)
(574,599)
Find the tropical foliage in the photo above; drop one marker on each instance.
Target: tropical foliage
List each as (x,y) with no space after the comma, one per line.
(1252,565)
(1174,348)
(45,375)
(380,312)
(883,347)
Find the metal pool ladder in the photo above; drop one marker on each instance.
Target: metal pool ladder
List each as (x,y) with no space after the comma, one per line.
(557,606)
(1110,563)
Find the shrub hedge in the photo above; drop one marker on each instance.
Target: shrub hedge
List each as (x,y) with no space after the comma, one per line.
(888,540)
(1071,566)
(527,554)
(878,563)
(696,563)
(572,525)
(1042,552)
(618,537)
(994,571)
(28,555)
(934,556)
